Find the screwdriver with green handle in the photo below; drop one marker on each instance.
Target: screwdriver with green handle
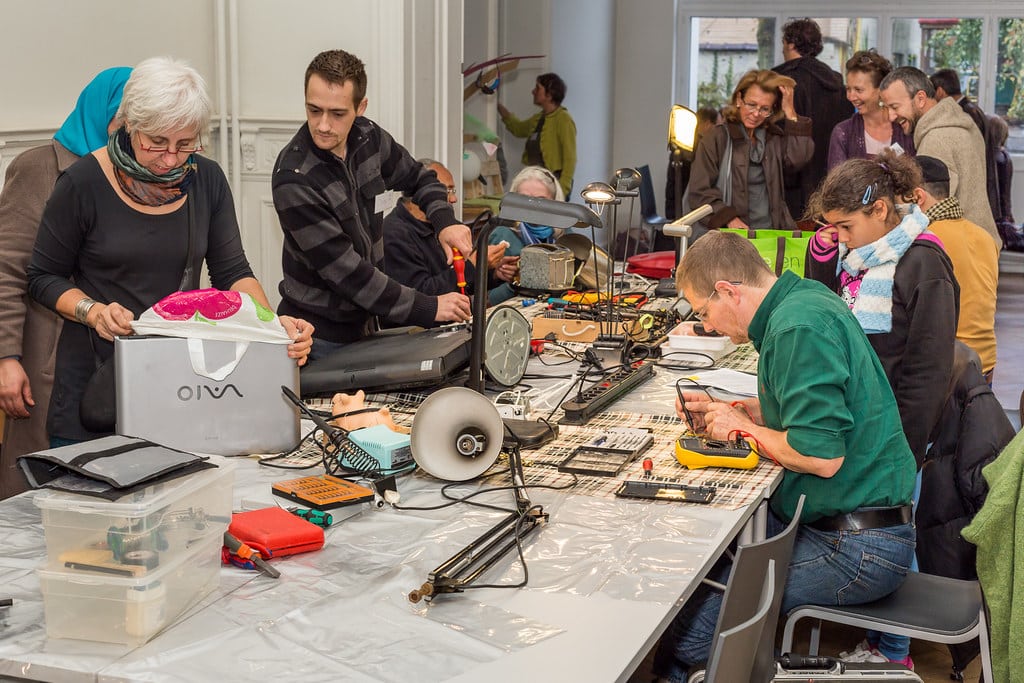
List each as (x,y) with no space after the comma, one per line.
(318,517)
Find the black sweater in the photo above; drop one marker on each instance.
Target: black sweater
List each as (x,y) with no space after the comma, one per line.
(333,235)
(917,354)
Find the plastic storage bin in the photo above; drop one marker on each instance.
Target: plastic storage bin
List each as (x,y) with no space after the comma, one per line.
(150,527)
(106,607)
(683,338)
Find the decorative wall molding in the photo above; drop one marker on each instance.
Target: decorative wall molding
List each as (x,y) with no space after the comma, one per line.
(261,141)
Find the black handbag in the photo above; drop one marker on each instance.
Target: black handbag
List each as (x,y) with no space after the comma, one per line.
(98,408)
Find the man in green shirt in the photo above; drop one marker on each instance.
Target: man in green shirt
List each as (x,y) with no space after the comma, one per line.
(825,413)
(550,133)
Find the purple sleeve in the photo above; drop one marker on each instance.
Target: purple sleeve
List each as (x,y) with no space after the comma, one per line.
(837,149)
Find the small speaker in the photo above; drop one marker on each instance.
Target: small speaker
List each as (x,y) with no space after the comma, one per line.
(456,434)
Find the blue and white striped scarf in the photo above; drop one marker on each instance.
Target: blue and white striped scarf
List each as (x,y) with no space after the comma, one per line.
(873,307)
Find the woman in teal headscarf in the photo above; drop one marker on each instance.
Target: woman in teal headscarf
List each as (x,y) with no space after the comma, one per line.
(28,331)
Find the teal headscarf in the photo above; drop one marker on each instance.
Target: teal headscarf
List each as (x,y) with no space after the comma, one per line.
(85,129)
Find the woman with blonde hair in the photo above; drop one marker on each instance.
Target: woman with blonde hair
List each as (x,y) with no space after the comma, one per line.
(739,164)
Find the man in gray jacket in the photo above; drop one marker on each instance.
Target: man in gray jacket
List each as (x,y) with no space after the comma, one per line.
(942,130)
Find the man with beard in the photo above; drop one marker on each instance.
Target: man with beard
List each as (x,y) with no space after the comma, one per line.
(942,130)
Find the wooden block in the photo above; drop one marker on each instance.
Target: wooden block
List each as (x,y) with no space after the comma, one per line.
(572,329)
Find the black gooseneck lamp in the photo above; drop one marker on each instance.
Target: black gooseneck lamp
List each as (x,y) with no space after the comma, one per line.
(465,448)
(515,208)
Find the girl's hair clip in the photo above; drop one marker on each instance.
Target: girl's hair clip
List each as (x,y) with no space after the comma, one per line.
(869,194)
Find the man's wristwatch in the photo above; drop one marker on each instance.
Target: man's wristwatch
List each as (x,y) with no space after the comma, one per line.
(82,309)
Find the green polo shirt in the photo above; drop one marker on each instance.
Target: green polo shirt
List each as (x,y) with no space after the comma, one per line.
(821,382)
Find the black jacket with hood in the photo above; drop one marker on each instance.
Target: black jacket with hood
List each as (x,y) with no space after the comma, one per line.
(820,95)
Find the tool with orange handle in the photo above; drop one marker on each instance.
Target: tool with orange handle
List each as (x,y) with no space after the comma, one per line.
(459,264)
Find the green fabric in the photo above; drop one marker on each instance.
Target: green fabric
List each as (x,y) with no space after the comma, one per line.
(474,126)
(820,381)
(557,142)
(794,249)
(998,531)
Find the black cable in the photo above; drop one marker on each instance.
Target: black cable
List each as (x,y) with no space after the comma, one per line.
(686,366)
(519,549)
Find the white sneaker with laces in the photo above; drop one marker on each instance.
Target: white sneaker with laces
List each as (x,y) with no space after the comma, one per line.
(862,646)
(869,656)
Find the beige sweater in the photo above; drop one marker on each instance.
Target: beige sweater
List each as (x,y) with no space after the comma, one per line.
(948,134)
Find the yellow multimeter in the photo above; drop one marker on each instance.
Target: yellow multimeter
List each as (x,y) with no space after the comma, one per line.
(695,452)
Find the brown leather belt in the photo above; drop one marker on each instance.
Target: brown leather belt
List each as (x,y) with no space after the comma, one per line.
(865,518)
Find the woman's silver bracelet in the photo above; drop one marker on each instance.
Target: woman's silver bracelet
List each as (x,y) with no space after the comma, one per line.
(82,309)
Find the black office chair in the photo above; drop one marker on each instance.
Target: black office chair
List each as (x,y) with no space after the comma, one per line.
(734,650)
(649,215)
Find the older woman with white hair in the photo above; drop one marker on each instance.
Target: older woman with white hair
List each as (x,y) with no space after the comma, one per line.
(131,223)
(533,181)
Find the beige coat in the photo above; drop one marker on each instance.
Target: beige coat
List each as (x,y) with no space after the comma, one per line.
(948,134)
(27,329)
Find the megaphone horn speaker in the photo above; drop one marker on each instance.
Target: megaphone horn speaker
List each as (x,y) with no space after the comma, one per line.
(456,434)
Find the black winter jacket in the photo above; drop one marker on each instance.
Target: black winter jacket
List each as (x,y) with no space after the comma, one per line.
(971,432)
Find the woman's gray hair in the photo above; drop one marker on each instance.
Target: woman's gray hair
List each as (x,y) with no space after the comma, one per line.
(164,95)
(541,174)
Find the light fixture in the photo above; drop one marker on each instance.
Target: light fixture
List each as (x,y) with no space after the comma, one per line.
(626,182)
(599,193)
(516,208)
(466,431)
(682,128)
(682,139)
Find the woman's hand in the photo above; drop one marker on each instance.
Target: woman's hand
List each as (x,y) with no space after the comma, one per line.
(110,320)
(15,389)
(787,102)
(301,334)
(737,223)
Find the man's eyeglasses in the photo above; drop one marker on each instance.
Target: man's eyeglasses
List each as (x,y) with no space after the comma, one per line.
(452,191)
(164,149)
(701,315)
(755,109)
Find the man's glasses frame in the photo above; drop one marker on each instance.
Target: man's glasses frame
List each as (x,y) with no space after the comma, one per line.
(702,313)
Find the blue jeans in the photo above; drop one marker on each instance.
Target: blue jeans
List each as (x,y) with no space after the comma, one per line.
(894,647)
(827,568)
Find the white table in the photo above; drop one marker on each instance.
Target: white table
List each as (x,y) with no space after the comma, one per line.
(606,577)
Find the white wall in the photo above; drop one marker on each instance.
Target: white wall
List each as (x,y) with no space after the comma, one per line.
(578,27)
(643,50)
(254,67)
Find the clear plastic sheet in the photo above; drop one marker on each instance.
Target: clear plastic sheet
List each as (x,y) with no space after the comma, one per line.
(342,613)
(492,625)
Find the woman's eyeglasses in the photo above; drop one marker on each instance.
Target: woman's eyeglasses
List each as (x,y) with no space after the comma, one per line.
(164,149)
(755,109)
